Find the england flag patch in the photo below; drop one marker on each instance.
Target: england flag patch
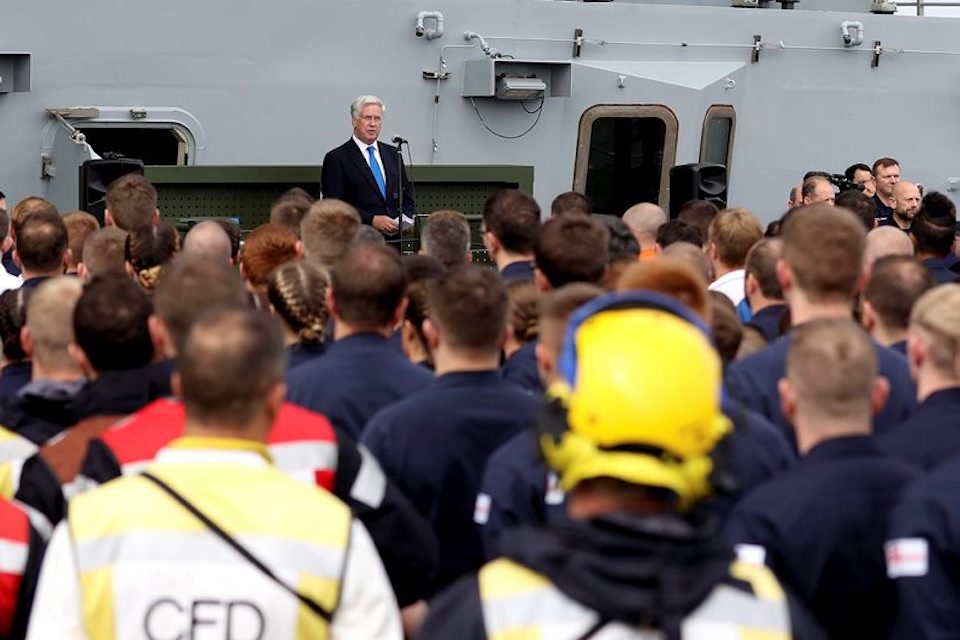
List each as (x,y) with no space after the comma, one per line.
(481,509)
(907,557)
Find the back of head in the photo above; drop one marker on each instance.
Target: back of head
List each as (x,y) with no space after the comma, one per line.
(148,250)
(189,286)
(27,207)
(446,237)
(13,317)
(571,203)
(557,306)
(679,231)
(699,213)
(110,324)
(670,276)
(726,326)
(80,225)
(644,220)
(208,238)
(693,255)
(369,235)
(572,249)
(104,251)
(42,242)
(289,211)
(421,267)
(328,230)
(934,227)
(468,304)
(896,283)
(623,249)
(859,205)
(734,231)
(297,291)
(841,391)
(936,319)
(267,247)
(232,229)
(514,218)
(131,201)
(368,283)
(50,321)
(824,248)
(885,241)
(644,411)
(761,263)
(233,359)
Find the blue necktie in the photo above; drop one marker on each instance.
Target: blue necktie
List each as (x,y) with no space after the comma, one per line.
(377,174)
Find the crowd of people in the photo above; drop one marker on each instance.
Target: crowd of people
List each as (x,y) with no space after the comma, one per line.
(626,426)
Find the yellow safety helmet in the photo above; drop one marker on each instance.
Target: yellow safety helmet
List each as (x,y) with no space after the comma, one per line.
(640,400)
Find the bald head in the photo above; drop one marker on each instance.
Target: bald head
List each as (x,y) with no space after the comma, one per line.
(885,241)
(208,239)
(907,202)
(644,220)
(50,325)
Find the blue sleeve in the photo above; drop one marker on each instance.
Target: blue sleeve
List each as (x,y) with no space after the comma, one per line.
(456,614)
(928,598)
(509,496)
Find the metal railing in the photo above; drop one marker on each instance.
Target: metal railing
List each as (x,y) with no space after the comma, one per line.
(921,5)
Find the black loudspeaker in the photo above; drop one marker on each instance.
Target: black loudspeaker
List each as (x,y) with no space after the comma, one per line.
(698,181)
(96,176)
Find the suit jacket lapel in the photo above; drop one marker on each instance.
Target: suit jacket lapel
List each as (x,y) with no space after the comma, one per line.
(362,166)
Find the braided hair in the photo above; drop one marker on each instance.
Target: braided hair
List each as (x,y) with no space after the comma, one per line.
(297,291)
(148,249)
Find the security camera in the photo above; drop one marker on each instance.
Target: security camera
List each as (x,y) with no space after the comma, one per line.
(419,31)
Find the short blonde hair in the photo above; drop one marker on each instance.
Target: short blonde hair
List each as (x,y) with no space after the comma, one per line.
(842,390)
(328,230)
(936,320)
(50,320)
(734,231)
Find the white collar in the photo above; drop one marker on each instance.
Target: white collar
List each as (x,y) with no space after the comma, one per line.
(363,145)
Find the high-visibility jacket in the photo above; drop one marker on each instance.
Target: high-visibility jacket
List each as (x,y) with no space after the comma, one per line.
(520,604)
(149,568)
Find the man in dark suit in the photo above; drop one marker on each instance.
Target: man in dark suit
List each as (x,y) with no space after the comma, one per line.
(368,173)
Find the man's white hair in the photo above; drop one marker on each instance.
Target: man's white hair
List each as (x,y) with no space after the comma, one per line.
(363,101)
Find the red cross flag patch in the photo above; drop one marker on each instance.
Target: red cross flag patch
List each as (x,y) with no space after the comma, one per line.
(907,557)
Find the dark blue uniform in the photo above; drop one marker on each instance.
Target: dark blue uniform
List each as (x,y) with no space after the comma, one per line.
(940,269)
(823,525)
(923,556)
(434,446)
(884,217)
(519,489)
(356,377)
(522,270)
(14,376)
(521,369)
(767,321)
(303,352)
(931,435)
(754,379)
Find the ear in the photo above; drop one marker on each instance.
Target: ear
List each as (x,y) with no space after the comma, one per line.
(79,357)
(879,394)
(131,272)
(243,271)
(156,216)
(432,334)
(67,259)
(543,285)
(7,243)
(399,312)
(163,346)
(712,252)
(868,316)
(82,272)
(916,353)
(784,275)
(332,303)
(16,259)
(657,249)
(546,365)
(492,243)
(108,220)
(275,399)
(750,285)
(176,385)
(26,341)
(298,249)
(788,399)
(507,332)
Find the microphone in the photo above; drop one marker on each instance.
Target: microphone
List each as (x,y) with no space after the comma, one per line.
(398,140)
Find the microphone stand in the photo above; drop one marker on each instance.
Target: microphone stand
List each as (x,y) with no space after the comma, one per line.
(400,166)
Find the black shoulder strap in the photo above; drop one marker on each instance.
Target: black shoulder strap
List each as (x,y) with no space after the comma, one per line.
(595,629)
(308,602)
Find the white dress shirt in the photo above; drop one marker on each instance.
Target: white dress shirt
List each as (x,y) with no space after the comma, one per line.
(731,285)
(366,155)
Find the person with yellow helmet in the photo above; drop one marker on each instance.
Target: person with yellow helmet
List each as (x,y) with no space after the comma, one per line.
(636,433)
